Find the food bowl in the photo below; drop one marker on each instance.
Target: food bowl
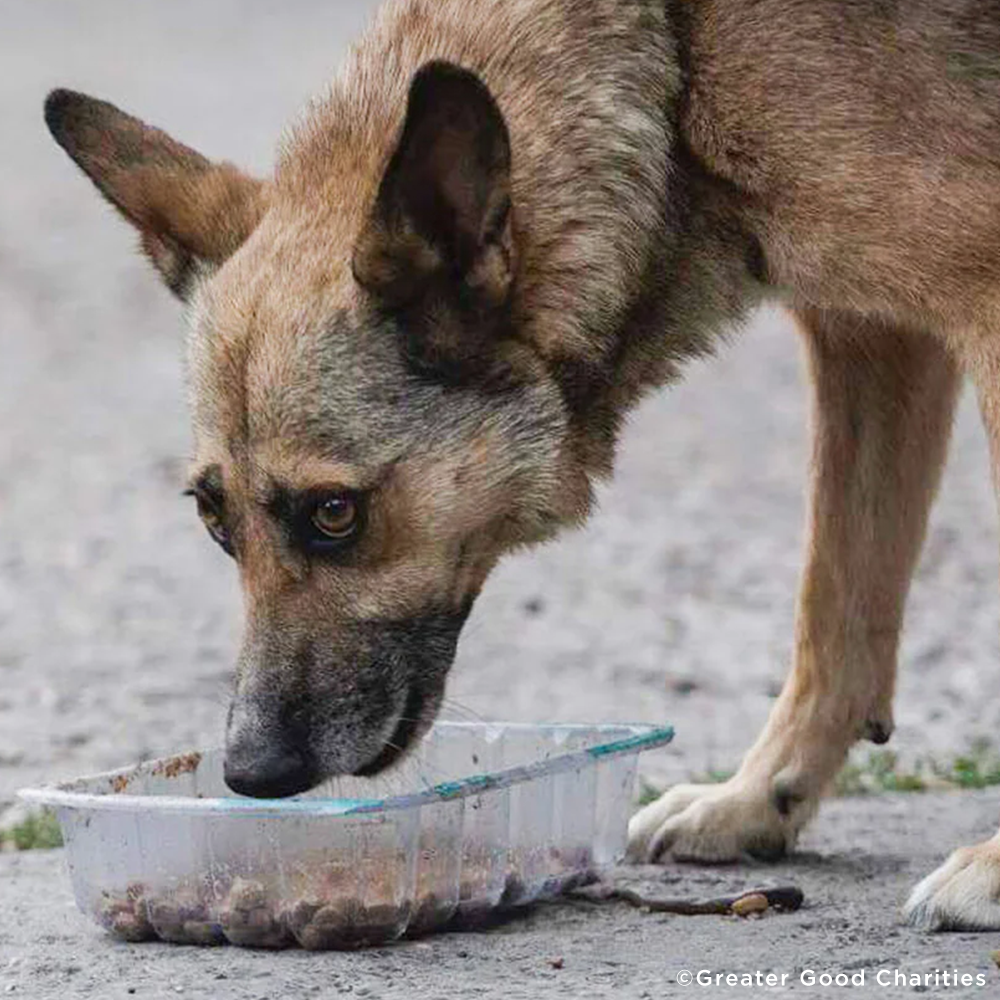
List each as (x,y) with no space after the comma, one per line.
(480,816)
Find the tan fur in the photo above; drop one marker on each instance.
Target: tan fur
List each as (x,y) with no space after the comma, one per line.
(883,402)
(508,220)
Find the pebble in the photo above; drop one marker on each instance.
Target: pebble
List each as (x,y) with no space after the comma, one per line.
(756,902)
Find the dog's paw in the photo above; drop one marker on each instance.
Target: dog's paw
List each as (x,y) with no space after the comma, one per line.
(714,823)
(962,895)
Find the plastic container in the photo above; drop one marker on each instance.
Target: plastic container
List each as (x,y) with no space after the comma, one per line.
(479,816)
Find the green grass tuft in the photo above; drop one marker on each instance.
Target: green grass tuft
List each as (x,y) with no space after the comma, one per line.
(979,768)
(881,771)
(39,831)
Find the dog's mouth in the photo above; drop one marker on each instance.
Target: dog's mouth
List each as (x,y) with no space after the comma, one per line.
(414,721)
(429,664)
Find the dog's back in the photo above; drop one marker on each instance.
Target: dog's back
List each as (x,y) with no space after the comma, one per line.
(865,138)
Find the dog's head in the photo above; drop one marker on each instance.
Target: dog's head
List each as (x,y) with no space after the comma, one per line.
(371,434)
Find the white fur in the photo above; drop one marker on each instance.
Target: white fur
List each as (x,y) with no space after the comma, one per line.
(712,823)
(962,895)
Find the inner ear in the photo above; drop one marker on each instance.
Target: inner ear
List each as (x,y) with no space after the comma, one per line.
(191,213)
(443,205)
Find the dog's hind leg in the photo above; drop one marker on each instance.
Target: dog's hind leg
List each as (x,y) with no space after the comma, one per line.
(883,405)
(964,893)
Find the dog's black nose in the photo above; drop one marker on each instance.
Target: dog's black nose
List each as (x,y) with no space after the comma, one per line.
(264,772)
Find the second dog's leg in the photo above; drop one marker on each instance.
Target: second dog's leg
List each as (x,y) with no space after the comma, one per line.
(883,406)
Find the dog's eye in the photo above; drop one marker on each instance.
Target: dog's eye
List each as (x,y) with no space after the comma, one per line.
(213,521)
(211,515)
(336,516)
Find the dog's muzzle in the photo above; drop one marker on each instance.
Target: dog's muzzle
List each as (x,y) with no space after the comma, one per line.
(298,720)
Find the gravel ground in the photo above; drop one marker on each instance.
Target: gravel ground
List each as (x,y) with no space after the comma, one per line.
(118,619)
(855,868)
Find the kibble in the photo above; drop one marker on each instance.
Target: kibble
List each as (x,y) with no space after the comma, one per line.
(184,918)
(248,919)
(126,916)
(319,915)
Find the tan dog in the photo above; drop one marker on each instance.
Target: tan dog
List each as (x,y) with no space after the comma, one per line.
(411,349)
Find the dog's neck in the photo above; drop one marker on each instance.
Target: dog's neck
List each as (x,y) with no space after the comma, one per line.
(614,249)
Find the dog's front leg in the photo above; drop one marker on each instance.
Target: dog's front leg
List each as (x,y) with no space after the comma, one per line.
(883,405)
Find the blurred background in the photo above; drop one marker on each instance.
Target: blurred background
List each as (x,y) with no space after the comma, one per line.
(119,619)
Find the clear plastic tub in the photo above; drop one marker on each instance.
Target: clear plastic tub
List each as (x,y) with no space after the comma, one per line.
(480,816)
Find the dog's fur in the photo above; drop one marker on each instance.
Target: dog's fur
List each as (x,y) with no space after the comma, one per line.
(508,220)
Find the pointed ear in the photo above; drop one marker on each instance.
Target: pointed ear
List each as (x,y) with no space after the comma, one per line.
(191,213)
(442,213)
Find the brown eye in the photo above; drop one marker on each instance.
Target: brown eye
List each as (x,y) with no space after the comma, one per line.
(336,517)
(209,510)
(213,521)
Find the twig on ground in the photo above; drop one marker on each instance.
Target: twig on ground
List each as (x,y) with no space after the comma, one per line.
(788,898)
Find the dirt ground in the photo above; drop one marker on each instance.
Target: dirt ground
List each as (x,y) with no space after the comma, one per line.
(854,867)
(118,619)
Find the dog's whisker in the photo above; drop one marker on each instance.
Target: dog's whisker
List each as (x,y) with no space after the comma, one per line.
(409,766)
(463,710)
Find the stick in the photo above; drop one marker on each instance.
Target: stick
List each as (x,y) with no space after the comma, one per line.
(787,898)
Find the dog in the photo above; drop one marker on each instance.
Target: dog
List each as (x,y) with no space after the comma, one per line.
(412,348)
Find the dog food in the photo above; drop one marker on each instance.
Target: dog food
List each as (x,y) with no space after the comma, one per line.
(125,916)
(244,913)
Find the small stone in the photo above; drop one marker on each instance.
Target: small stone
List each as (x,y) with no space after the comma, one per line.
(556,963)
(684,686)
(754,902)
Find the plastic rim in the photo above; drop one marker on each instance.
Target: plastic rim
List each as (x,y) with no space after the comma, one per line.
(645,737)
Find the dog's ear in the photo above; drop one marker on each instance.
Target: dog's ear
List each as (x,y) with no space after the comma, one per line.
(191,213)
(441,218)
